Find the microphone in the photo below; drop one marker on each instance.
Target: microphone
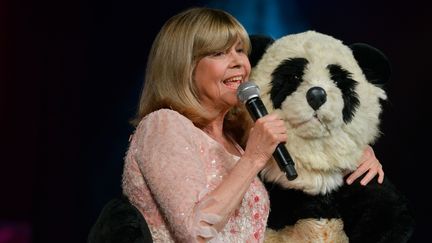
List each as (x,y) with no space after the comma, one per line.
(248,93)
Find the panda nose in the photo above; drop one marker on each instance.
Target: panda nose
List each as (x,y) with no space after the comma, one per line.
(316,97)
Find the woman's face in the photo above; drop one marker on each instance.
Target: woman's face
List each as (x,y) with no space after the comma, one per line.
(218,75)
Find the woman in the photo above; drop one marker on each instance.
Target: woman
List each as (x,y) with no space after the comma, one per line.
(184,169)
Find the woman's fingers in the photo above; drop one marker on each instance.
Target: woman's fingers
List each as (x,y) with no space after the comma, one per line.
(369,164)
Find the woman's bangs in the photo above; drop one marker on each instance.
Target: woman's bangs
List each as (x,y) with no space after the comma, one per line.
(220,37)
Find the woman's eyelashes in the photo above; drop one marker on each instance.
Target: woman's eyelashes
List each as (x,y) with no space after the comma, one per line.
(218,53)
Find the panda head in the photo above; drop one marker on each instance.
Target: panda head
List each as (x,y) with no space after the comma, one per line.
(328,94)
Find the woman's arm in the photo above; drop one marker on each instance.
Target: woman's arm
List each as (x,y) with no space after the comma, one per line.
(371,165)
(171,163)
(266,134)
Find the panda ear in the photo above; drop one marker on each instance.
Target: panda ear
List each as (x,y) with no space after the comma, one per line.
(375,65)
(259,44)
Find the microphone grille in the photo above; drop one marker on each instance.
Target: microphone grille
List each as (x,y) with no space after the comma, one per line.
(247,90)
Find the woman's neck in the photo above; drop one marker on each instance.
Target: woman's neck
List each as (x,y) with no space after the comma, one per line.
(215,128)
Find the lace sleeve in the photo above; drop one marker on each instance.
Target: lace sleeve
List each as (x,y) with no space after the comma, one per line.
(168,155)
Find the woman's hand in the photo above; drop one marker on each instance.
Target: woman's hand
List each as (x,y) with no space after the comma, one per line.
(264,136)
(369,164)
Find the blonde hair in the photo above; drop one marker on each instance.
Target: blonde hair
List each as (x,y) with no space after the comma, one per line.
(183,40)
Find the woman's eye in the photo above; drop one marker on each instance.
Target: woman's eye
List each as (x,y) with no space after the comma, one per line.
(217,54)
(240,50)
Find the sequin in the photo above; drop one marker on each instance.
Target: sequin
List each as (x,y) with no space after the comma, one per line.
(236,213)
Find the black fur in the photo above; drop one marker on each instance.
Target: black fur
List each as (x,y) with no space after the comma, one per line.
(372,213)
(375,213)
(346,84)
(288,206)
(375,65)
(259,44)
(120,222)
(286,78)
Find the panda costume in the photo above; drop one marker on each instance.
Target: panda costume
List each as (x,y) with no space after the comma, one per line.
(329,96)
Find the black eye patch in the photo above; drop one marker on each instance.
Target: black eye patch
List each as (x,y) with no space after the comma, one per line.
(343,80)
(286,78)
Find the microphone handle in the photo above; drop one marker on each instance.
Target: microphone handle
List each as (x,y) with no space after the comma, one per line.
(285,162)
(257,110)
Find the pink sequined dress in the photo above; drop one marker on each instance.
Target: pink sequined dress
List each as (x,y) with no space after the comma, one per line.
(170,167)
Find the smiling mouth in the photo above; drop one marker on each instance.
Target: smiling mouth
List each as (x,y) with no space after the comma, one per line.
(233,82)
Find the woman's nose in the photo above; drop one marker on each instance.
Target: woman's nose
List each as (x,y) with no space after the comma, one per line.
(236,59)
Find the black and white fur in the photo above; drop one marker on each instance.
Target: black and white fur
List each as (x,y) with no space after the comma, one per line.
(329,96)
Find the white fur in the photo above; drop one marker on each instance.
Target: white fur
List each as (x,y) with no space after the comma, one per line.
(309,231)
(323,151)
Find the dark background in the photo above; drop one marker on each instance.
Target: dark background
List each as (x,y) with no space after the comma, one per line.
(71,73)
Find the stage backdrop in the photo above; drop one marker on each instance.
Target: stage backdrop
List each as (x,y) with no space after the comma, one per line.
(72,71)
